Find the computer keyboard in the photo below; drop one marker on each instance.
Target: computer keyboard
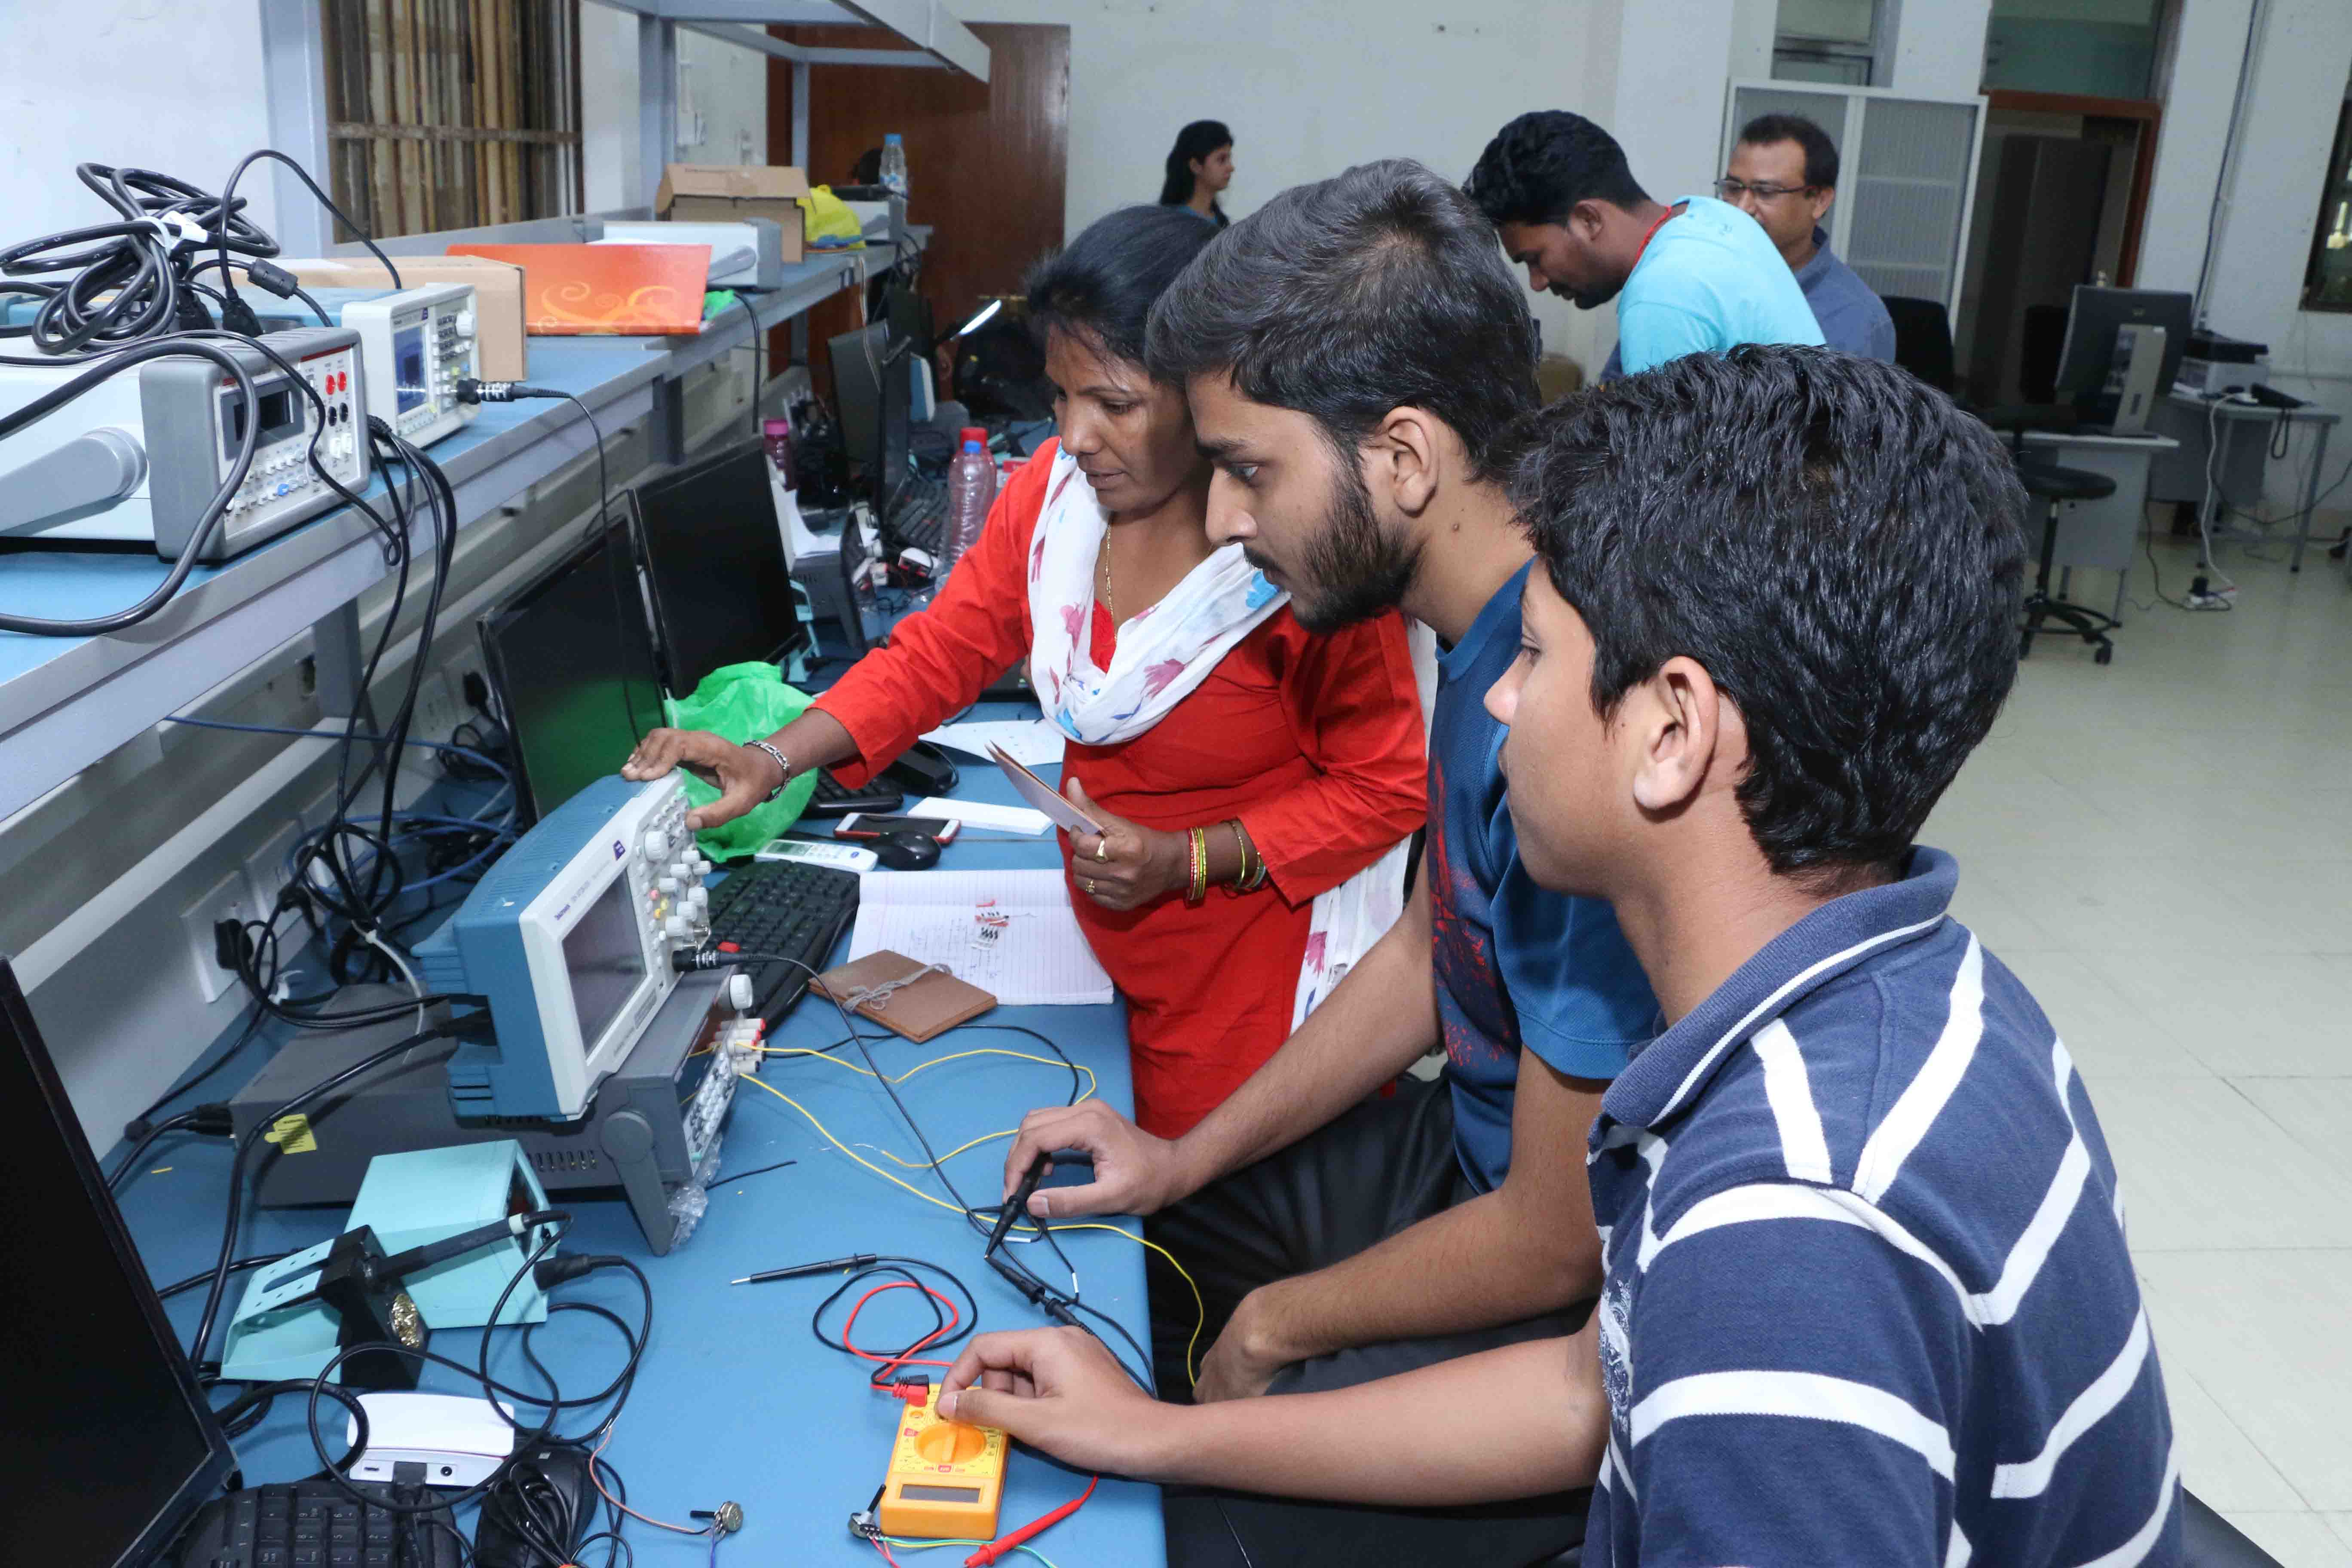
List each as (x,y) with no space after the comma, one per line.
(316,1524)
(833,798)
(916,518)
(785,907)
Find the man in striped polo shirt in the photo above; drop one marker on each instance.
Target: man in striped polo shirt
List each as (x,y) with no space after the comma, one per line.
(1867,1299)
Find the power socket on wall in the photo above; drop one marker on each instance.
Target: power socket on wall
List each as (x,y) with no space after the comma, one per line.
(228,900)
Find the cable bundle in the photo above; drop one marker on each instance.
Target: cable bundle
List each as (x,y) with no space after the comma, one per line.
(133,278)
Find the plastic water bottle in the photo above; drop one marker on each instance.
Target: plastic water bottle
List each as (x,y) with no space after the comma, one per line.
(971,487)
(893,163)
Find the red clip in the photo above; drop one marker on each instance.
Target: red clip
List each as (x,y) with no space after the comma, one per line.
(730,947)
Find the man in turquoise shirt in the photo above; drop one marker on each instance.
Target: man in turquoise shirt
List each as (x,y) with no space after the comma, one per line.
(1699,276)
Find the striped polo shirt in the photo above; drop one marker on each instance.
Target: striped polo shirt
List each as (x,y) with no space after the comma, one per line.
(1867,1300)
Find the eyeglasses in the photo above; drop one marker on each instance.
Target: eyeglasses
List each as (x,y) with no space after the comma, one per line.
(1732,190)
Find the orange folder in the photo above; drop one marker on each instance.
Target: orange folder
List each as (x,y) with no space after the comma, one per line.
(568,289)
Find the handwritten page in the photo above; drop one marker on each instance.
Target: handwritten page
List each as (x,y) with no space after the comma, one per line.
(1033,742)
(1010,933)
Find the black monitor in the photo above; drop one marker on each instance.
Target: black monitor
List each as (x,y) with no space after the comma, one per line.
(2092,324)
(115,1447)
(571,659)
(874,388)
(715,572)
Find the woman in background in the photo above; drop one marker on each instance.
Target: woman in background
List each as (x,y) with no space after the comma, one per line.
(1200,166)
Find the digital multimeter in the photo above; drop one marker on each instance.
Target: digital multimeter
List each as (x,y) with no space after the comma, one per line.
(946,1478)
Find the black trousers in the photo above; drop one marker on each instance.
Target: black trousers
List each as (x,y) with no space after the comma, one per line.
(1382,1167)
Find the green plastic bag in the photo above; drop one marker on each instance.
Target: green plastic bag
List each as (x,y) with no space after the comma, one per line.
(744,702)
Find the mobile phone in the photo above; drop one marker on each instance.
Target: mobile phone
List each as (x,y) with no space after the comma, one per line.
(869,825)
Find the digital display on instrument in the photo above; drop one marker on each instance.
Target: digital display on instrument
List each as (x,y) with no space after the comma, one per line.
(408,367)
(604,961)
(940,1494)
(280,419)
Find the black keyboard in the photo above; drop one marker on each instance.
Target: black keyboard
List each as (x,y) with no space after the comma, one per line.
(916,518)
(833,798)
(316,1524)
(785,907)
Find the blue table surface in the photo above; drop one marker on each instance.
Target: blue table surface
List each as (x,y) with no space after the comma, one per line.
(735,1399)
(74,584)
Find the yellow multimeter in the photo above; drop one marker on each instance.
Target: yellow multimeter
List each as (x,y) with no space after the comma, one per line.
(946,1478)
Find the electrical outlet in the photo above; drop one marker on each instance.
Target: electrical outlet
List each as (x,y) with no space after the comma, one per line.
(264,868)
(437,709)
(226,900)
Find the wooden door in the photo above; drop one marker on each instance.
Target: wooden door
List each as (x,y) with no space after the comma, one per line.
(988,164)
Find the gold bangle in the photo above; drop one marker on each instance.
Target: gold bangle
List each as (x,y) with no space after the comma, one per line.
(1241,877)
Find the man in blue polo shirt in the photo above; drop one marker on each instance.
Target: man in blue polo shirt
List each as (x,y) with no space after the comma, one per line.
(1355,355)
(1783,173)
(1696,276)
(1867,1298)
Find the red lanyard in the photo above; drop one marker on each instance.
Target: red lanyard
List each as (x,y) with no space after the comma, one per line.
(1643,247)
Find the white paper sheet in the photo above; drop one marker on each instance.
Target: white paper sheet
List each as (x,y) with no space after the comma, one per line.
(984,815)
(1031,742)
(1037,956)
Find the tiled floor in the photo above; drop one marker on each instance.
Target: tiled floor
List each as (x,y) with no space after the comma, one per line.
(2162,848)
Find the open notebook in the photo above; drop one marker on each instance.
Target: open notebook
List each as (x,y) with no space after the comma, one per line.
(1012,933)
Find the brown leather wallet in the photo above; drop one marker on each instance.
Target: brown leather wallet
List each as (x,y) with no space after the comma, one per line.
(929,1006)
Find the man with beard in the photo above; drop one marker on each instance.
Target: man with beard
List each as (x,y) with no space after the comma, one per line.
(1356,355)
(1696,277)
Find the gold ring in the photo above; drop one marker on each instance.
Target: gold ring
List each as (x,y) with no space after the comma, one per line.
(1102,849)
(1089,884)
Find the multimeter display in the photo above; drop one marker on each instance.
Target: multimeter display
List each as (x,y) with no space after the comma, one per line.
(940,1494)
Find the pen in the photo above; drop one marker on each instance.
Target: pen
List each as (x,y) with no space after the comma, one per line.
(802,1270)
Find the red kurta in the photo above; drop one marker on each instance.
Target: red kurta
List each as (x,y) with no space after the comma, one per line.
(1315,743)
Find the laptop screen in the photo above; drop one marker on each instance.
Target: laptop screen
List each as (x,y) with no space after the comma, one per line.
(115,1447)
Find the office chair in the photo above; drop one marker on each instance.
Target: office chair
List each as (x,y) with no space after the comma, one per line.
(2054,485)
(1923,345)
(1922,340)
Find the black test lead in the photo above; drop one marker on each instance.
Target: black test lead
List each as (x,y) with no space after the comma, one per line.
(802,1270)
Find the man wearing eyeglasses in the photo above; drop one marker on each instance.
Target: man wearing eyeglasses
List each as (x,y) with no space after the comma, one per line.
(1784,174)
(1691,275)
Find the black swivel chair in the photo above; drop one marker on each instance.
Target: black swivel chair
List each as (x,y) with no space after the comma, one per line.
(1923,345)
(2048,481)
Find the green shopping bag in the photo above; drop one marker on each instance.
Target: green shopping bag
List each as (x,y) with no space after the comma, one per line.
(743,702)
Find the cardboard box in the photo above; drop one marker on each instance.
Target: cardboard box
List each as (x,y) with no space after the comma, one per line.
(571,291)
(499,346)
(729,192)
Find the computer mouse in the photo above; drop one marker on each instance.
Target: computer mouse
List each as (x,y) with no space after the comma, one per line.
(905,851)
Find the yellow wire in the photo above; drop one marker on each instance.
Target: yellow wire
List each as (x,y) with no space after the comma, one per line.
(926,1165)
(1092,1082)
(1199,1309)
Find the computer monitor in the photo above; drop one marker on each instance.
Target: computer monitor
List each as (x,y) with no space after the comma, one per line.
(571,661)
(714,562)
(874,394)
(116,1447)
(2089,374)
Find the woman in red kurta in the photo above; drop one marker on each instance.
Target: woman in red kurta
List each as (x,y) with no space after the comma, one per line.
(1299,758)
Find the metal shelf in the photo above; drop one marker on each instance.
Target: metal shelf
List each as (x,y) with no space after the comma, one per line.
(65,703)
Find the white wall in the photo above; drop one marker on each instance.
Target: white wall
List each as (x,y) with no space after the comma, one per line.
(170,85)
(2302,56)
(1309,88)
(728,84)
